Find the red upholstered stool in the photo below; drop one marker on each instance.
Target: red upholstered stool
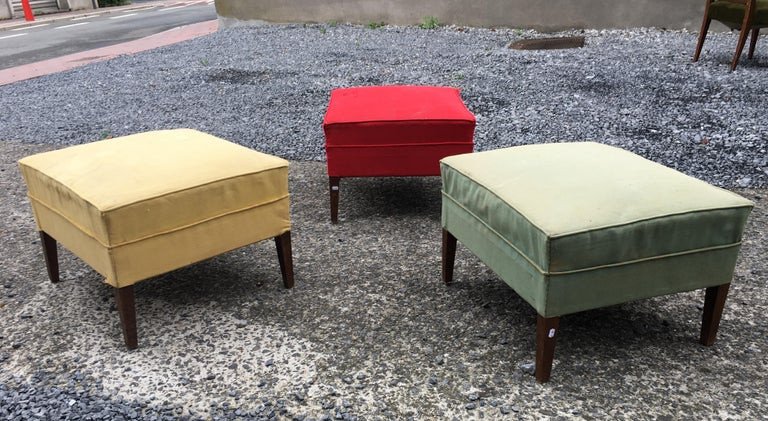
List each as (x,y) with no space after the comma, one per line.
(393,131)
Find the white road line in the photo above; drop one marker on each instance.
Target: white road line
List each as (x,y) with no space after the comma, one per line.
(69,26)
(13,36)
(124,16)
(170,8)
(30,27)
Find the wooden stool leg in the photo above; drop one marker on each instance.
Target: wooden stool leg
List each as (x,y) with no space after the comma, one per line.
(753,43)
(334,186)
(714,301)
(127,308)
(546,333)
(449,256)
(283,244)
(702,37)
(739,47)
(51,256)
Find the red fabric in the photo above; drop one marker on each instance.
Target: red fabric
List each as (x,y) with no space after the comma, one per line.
(395,130)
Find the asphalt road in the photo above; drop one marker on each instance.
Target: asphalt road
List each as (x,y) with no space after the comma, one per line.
(49,40)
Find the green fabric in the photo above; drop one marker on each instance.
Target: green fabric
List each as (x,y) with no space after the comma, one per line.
(560,294)
(620,225)
(576,206)
(732,14)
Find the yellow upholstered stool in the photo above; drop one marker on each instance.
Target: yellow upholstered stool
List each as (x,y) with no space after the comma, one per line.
(142,205)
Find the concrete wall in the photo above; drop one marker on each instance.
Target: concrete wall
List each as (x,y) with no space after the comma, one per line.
(542,15)
(6,9)
(76,4)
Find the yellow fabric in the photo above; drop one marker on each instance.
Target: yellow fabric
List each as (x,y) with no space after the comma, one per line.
(76,241)
(157,201)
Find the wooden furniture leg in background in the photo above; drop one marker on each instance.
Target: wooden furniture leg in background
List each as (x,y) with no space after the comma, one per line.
(449,256)
(334,186)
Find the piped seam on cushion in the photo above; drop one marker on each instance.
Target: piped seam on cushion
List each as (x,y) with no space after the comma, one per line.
(560,235)
(398,145)
(533,224)
(145,199)
(496,233)
(648,259)
(109,247)
(687,212)
(591,268)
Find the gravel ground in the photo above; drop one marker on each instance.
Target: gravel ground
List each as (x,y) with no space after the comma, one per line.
(369,332)
(267,88)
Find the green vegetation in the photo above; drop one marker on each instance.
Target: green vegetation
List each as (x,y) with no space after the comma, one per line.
(376,25)
(429,22)
(108,3)
(333,24)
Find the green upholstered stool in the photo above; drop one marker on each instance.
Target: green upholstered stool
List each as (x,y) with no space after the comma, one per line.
(578,226)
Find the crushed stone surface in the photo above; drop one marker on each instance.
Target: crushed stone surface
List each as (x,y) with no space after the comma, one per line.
(267,88)
(369,332)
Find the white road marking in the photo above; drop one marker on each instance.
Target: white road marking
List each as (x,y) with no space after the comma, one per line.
(74,24)
(170,8)
(13,36)
(124,16)
(30,27)
(84,17)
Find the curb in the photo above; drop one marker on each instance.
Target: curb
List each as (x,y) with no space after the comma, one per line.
(71,61)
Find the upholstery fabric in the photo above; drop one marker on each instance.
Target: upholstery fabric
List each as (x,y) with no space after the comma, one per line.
(395,130)
(141,205)
(732,14)
(619,226)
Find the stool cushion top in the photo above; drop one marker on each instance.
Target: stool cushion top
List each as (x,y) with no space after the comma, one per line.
(395,103)
(126,189)
(579,206)
(396,116)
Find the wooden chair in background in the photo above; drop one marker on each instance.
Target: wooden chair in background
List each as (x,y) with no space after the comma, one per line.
(743,15)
